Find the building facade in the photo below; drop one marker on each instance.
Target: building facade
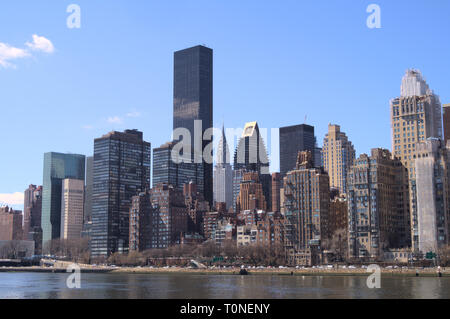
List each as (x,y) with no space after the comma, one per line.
(32,208)
(251,156)
(251,194)
(57,167)
(378,215)
(415,116)
(10,224)
(223,174)
(121,170)
(338,155)
(193,101)
(276,189)
(306,204)
(294,139)
(169,216)
(169,167)
(72,208)
(446,121)
(432,167)
(141,226)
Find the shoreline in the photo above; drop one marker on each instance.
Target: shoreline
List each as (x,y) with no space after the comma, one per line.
(427,272)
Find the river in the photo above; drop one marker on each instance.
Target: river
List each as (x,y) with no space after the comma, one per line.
(167,286)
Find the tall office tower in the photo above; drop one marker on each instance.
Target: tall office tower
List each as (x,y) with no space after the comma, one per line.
(72,207)
(121,170)
(193,100)
(251,194)
(307,203)
(175,172)
(276,187)
(446,120)
(10,224)
(141,222)
(377,205)
(32,208)
(415,116)
(433,195)
(88,189)
(223,174)
(57,167)
(294,139)
(338,155)
(251,156)
(170,218)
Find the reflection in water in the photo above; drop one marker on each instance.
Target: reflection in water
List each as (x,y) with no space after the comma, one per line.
(50,285)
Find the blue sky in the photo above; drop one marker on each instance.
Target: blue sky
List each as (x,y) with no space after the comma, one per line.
(274,61)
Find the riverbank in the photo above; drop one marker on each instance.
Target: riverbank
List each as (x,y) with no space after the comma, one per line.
(427,272)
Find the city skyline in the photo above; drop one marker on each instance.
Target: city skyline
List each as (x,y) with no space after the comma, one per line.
(140,115)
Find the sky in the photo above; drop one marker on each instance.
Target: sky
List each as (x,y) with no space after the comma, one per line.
(276,62)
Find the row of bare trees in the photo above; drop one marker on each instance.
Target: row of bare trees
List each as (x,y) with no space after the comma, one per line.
(226,254)
(76,250)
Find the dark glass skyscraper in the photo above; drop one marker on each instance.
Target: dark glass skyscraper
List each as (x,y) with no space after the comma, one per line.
(167,171)
(57,166)
(193,99)
(121,171)
(294,139)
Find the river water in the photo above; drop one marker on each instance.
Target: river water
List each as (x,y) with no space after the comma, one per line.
(98,285)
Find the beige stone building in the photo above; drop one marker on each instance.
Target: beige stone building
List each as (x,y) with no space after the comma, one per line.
(415,116)
(72,207)
(338,155)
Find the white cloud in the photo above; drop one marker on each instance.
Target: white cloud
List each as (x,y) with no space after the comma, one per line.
(114,120)
(11,199)
(41,44)
(87,127)
(9,53)
(134,114)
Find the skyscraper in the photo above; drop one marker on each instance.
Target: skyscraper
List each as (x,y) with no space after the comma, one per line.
(338,155)
(57,167)
(193,100)
(32,216)
(121,171)
(223,174)
(141,222)
(251,156)
(377,205)
(32,208)
(169,216)
(294,139)
(72,202)
(176,172)
(432,167)
(307,204)
(415,116)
